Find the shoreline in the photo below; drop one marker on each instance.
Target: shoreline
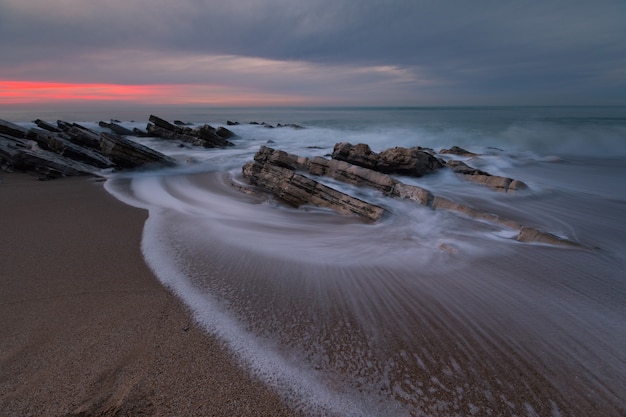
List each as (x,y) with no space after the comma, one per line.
(85,326)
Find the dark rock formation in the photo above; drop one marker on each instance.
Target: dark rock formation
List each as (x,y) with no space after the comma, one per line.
(12,129)
(117,129)
(403,161)
(206,135)
(47,126)
(58,144)
(128,154)
(71,149)
(25,155)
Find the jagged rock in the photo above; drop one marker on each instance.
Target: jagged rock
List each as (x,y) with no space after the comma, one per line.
(24,155)
(224,133)
(206,135)
(403,161)
(128,154)
(212,138)
(80,135)
(140,133)
(492,181)
(11,129)
(456,150)
(117,129)
(291,125)
(61,146)
(47,126)
(124,153)
(297,190)
(163,124)
(229,123)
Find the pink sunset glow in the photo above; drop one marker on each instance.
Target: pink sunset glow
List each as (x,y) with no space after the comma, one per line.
(29,92)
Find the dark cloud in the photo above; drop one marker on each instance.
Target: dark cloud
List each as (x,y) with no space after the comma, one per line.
(479,47)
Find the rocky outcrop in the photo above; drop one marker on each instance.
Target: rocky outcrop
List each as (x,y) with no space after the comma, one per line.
(60,145)
(206,135)
(71,149)
(298,190)
(276,172)
(25,155)
(414,162)
(117,129)
(481,177)
(127,154)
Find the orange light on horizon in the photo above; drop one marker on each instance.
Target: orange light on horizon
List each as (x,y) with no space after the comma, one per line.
(32,92)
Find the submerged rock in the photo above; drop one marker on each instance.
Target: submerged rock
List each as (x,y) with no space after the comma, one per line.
(492,181)
(456,150)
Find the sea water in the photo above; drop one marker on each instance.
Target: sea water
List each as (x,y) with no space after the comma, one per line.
(425,313)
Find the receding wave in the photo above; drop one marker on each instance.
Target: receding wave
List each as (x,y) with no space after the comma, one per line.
(425,313)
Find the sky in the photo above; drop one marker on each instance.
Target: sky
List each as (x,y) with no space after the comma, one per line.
(313,52)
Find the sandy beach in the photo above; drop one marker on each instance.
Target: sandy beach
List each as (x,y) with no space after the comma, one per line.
(85,327)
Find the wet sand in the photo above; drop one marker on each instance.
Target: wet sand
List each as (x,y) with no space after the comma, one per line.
(86,328)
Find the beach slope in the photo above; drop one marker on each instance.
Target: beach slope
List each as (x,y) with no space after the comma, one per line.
(86,328)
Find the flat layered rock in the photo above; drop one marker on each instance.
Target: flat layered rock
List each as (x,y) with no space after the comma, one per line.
(128,154)
(494,182)
(298,190)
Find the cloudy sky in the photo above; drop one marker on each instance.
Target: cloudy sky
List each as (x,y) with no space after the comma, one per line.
(314,52)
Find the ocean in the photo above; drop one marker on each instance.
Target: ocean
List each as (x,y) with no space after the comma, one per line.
(427,312)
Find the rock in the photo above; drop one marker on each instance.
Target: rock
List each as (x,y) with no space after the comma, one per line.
(530,234)
(80,135)
(11,129)
(229,123)
(403,161)
(460,167)
(455,150)
(206,135)
(128,154)
(481,177)
(54,142)
(224,133)
(24,155)
(298,190)
(163,124)
(117,129)
(291,125)
(47,126)
(352,174)
(211,139)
